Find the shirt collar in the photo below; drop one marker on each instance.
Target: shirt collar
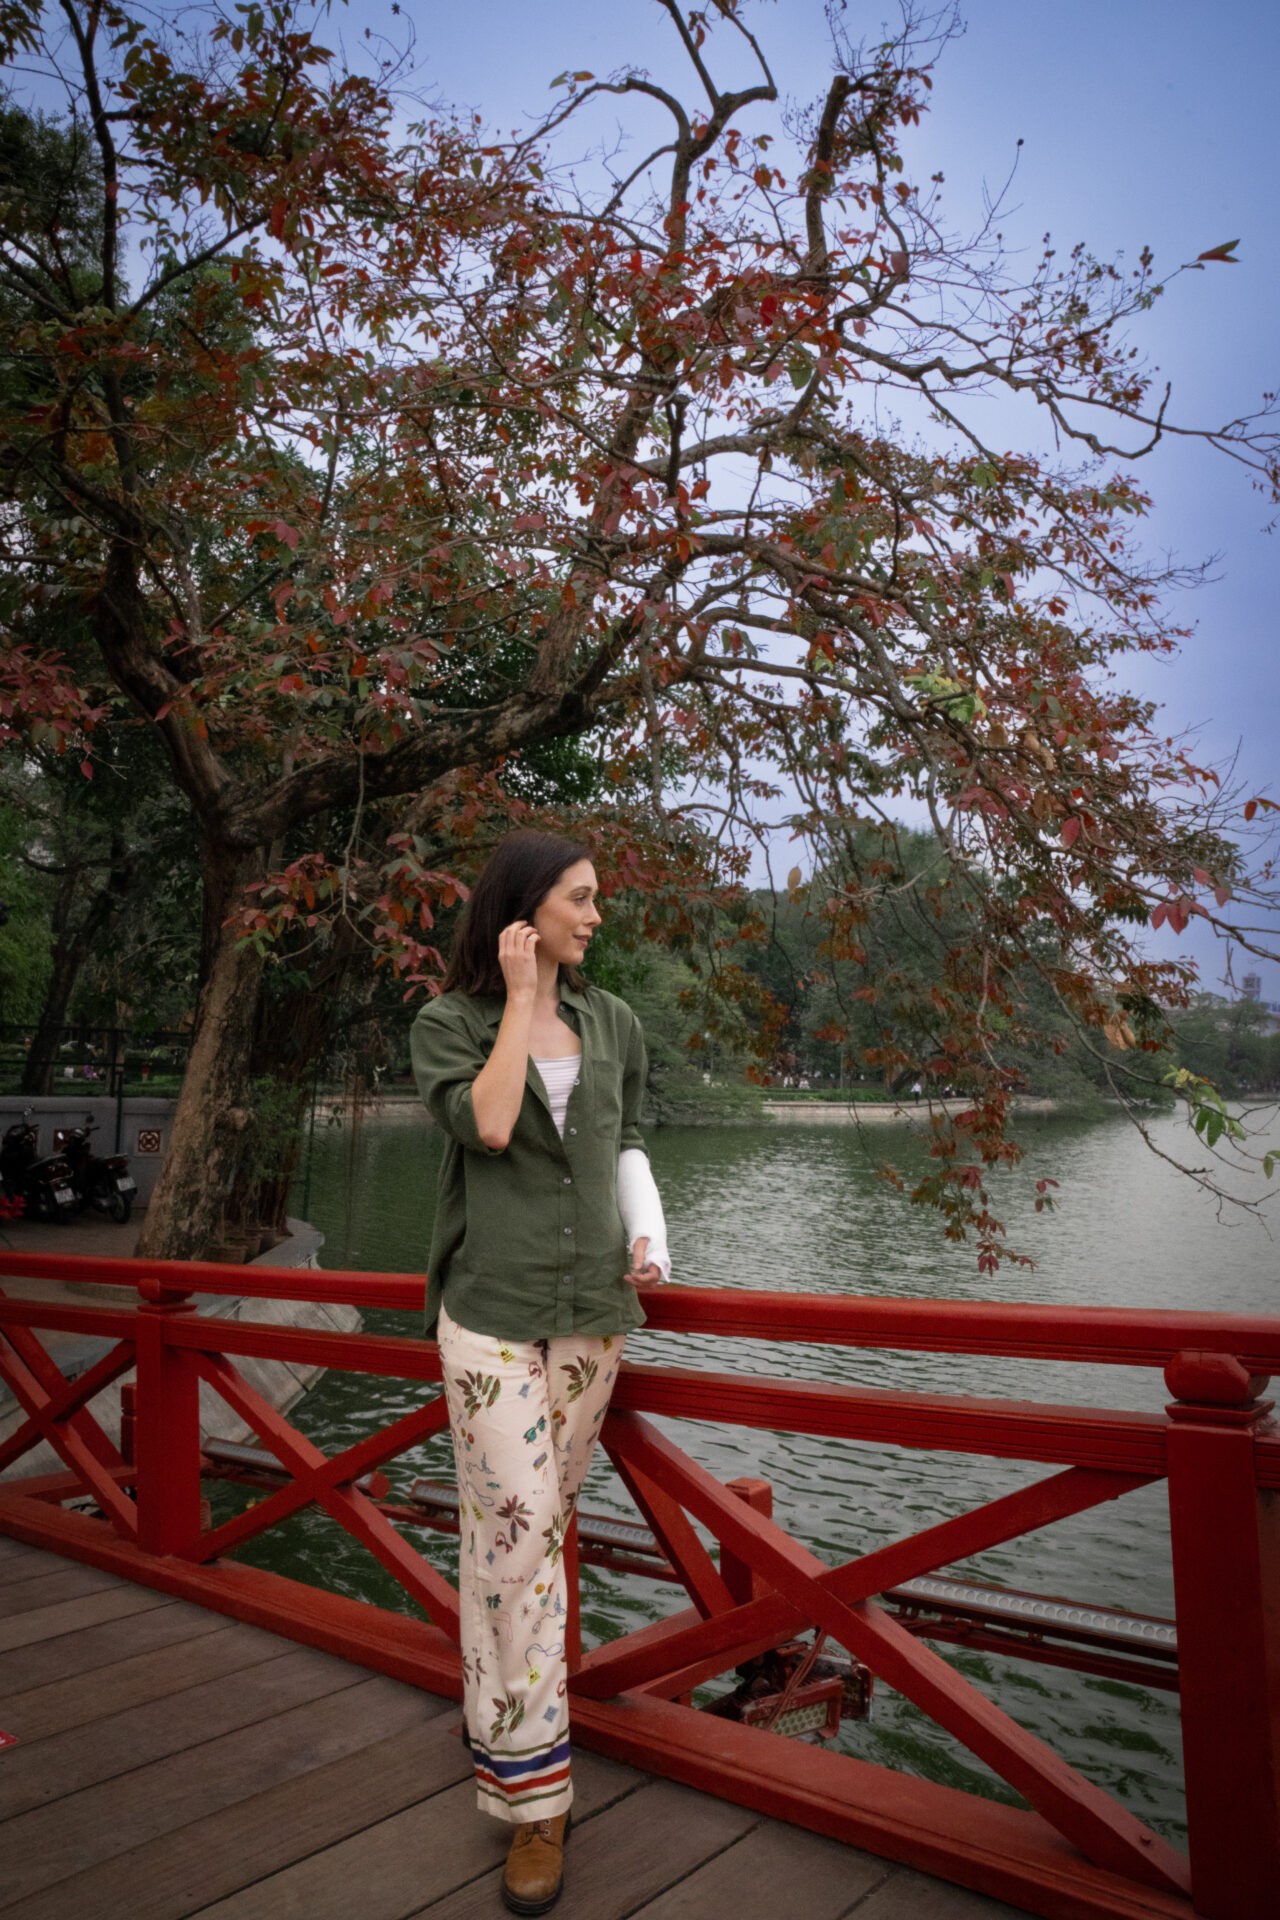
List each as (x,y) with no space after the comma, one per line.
(492,1006)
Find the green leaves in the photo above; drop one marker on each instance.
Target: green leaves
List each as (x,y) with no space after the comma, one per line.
(958,702)
(19,28)
(800,367)
(1206,1110)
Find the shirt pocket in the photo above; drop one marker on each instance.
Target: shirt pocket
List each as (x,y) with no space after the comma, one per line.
(600,1089)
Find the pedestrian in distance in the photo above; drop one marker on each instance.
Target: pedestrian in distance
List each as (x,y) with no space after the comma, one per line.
(548,1228)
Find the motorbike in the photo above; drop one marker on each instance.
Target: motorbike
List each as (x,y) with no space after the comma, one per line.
(42,1183)
(101,1182)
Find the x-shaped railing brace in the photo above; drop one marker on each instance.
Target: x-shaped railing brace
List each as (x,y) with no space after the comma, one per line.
(326,1480)
(57,1411)
(839,1600)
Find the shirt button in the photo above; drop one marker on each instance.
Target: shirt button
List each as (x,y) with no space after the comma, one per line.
(566,1279)
(568,1229)
(573,1130)
(568,1180)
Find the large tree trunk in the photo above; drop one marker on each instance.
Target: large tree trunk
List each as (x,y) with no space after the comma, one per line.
(202,1167)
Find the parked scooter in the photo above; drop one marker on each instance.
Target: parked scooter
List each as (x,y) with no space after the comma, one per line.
(43,1184)
(103,1183)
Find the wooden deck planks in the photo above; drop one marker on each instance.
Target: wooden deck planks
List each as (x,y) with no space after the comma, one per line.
(68,1655)
(43,1711)
(54,1768)
(21,1563)
(173,1764)
(763,1874)
(625,1855)
(914,1896)
(181,1872)
(438,1847)
(76,1832)
(68,1582)
(72,1616)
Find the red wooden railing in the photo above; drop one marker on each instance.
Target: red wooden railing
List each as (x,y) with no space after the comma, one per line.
(1073,1850)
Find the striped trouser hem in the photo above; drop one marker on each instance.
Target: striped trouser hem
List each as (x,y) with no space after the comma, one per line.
(528,1786)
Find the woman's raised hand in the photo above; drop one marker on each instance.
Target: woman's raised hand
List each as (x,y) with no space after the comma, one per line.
(517,956)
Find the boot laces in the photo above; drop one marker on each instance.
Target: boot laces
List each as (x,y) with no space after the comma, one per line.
(530,1830)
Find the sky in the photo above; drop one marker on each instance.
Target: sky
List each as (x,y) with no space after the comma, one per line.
(1141,122)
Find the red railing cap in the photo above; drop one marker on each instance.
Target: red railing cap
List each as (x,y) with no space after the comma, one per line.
(1116,1336)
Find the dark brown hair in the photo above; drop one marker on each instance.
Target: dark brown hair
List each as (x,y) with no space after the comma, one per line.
(516,879)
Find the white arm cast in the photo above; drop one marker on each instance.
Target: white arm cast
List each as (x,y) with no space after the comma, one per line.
(641,1207)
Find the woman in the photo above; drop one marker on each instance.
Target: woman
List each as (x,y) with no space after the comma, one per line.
(547,1222)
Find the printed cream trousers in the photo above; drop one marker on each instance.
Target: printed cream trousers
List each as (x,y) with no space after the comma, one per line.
(524,1415)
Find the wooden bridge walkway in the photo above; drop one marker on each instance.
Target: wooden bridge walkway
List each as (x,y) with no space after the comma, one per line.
(168,1761)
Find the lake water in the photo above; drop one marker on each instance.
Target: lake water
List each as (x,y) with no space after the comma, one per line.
(789,1206)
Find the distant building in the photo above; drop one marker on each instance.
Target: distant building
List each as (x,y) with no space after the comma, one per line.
(1251,986)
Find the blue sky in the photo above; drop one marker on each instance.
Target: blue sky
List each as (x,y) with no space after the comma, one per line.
(1143,122)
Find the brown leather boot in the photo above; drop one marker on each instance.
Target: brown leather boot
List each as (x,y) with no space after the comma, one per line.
(534,1873)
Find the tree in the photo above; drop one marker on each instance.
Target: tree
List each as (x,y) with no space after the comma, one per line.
(858,955)
(1230,1043)
(24,935)
(380,461)
(89,847)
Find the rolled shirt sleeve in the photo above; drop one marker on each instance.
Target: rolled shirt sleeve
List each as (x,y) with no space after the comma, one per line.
(634,1074)
(446,1060)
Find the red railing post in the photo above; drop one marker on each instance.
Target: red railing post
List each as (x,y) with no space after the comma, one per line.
(128,1421)
(166,1428)
(1225,1533)
(742,1580)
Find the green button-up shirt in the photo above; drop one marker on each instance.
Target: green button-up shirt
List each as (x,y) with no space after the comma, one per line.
(528,1240)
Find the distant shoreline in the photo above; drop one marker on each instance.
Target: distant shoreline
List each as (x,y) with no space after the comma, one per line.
(836,1113)
(879,1113)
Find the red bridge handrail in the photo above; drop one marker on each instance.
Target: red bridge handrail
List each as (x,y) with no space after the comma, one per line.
(1214,1443)
(1099,1336)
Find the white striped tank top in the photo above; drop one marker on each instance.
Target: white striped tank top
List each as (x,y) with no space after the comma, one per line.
(559,1077)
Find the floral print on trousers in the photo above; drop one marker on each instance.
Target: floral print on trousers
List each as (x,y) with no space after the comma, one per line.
(524,1416)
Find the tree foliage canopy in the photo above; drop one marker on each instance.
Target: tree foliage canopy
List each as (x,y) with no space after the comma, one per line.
(378,457)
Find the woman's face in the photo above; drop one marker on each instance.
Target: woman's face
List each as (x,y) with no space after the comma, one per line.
(567,918)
